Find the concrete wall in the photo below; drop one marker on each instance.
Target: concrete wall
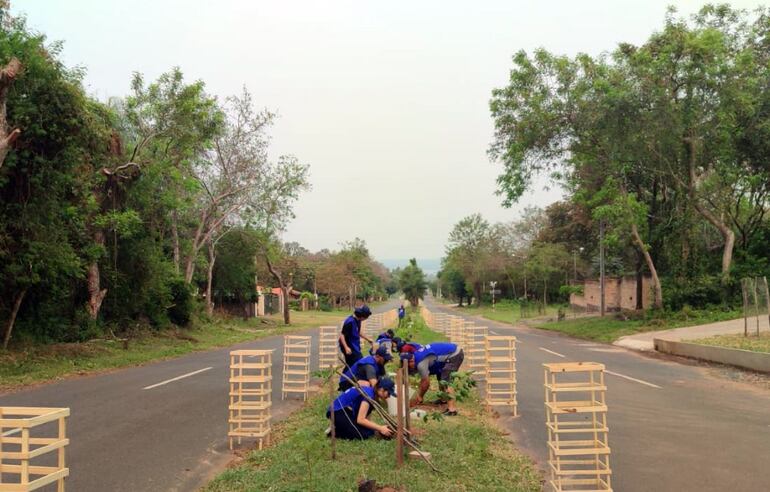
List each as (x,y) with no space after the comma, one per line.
(755,361)
(620,293)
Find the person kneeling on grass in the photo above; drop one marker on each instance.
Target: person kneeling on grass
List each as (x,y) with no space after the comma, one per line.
(367,370)
(351,411)
(440,359)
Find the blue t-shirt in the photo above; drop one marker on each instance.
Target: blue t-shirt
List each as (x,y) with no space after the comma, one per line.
(352,399)
(364,368)
(401,312)
(436,353)
(351,330)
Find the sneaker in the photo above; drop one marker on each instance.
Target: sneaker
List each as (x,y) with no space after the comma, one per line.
(449,413)
(328,431)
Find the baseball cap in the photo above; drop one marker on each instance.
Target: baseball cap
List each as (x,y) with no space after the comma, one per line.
(383,352)
(363,310)
(388,385)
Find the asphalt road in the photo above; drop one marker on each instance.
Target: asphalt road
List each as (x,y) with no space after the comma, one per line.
(142,429)
(673,427)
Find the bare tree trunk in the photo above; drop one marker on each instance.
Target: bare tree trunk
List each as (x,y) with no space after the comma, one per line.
(12,317)
(93,277)
(477,293)
(7,136)
(284,291)
(209,280)
(175,239)
(657,290)
(727,233)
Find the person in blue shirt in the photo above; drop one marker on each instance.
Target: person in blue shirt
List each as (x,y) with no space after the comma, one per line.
(401,314)
(386,338)
(367,370)
(351,411)
(440,359)
(350,336)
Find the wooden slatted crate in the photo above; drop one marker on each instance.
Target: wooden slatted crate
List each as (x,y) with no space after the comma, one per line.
(500,359)
(25,441)
(251,391)
(576,419)
(296,366)
(328,348)
(475,350)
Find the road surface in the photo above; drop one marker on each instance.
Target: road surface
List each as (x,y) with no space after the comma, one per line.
(154,428)
(673,427)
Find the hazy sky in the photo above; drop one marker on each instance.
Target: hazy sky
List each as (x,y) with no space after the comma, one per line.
(386,100)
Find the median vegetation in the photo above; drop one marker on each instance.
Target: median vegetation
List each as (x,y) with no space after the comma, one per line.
(470,451)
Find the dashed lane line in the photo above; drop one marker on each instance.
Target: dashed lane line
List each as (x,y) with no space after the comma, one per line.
(557,354)
(633,379)
(177,378)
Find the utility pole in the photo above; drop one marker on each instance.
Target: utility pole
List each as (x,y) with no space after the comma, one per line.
(601,267)
(492,284)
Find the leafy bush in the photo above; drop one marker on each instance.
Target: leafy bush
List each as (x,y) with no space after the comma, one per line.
(181,310)
(698,291)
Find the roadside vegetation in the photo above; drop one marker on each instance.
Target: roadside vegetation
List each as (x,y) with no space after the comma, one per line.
(41,363)
(662,155)
(752,342)
(615,325)
(472,454)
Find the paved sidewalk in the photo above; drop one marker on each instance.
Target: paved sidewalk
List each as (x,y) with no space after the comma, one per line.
(643,341)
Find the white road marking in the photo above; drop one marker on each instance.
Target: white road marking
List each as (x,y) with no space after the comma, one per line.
(493,332)
(633,379)
(177,378)
(557,354)
(11,432)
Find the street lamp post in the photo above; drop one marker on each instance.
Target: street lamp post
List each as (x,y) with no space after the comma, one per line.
(574,263)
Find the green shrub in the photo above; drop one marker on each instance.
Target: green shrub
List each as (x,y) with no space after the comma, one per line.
(182,307)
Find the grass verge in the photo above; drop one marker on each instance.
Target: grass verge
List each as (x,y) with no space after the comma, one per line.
(39,363)
(610,328)
(470,452)
(753,343)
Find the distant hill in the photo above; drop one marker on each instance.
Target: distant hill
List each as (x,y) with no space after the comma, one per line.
(430,266)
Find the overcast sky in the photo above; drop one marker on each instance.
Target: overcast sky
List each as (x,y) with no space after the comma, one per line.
(386,100)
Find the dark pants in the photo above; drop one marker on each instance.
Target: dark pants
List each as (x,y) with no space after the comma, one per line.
(345,426)
(451,365)
(352,358)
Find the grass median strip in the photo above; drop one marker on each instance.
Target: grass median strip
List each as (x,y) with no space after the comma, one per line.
(753,343)
(472,454)
(41,363)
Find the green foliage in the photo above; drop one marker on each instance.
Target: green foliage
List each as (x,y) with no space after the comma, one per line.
(411,281)
(181,310)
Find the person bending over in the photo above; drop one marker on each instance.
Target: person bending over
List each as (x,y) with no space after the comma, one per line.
(439,359)
(350,336)
(351,411)
(367,370)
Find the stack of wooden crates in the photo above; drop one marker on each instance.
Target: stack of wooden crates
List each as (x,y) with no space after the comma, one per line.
(576,418)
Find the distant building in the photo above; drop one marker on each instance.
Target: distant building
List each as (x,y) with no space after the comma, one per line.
(620,293)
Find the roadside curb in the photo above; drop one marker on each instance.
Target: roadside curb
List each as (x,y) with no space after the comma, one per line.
(745,359)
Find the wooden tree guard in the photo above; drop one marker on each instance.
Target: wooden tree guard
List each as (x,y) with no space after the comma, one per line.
(475,350)
(456,329)
(328,350)
(576,418)
(500,359)
(296,365)
(400,419)
(18,451)
(251,391)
